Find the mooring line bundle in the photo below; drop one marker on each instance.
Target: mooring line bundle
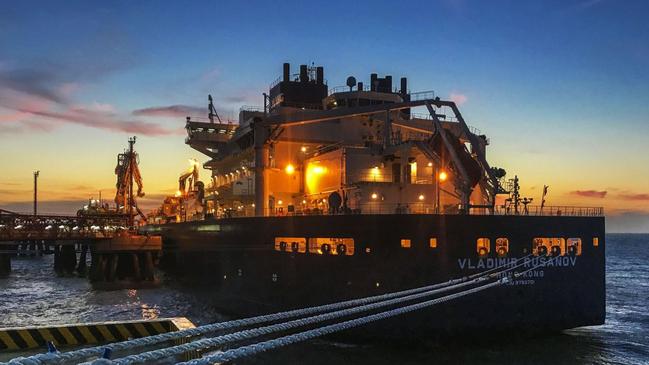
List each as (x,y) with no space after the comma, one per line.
(364,310)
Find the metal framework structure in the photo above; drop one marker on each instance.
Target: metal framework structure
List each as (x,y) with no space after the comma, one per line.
(264,128)
(20,227)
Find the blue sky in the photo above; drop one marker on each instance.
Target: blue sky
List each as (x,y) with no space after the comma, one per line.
(561,87)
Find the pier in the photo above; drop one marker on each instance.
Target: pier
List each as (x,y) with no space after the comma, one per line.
(116,254)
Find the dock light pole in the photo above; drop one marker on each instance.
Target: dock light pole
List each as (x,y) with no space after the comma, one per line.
(36,173)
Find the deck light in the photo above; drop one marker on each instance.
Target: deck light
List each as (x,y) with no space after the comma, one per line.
(290,169)
(421,196)
(376,172)
(443,176)
(303,149)
(375,195)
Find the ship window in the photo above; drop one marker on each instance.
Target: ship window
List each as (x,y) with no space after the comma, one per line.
(483,246)
(544,246)
(405,243)
(573,246)
(595,241)
(290,244)
(502,246)
(331,246)
(432,242)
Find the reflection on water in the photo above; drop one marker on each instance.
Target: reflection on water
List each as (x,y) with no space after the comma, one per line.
(34,296)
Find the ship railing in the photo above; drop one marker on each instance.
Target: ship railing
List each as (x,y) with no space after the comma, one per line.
(367,87)
(422,95)
(421,207)
(224,121)
(537,210)
(383,177)
(292,77)
(339,89)
(310,106)
(252,108)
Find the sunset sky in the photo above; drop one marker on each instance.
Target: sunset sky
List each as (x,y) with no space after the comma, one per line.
(560,87)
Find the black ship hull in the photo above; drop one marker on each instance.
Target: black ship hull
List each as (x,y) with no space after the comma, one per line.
(246,273)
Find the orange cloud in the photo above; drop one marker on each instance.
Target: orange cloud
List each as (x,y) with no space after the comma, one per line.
(590,193)
(627,196)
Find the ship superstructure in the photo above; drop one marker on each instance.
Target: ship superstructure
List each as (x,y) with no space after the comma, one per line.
(366,146)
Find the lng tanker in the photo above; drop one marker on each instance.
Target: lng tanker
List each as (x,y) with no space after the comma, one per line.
(324,195)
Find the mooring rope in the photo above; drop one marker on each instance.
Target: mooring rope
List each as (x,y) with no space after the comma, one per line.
(59,358)
(279,327)
(322,331)
(256,348)
(261,331)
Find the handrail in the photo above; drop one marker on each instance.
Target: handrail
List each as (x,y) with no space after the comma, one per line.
(420,207)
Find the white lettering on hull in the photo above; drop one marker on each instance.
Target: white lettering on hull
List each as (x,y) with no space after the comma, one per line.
(490,263)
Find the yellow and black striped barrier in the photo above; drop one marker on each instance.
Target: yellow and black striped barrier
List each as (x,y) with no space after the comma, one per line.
(23,338)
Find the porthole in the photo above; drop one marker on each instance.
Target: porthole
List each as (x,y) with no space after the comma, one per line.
(483,246)
(405,243)
(502,246)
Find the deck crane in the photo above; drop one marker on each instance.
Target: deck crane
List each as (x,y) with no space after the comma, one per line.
(128,175)
(188,180)
(190,190)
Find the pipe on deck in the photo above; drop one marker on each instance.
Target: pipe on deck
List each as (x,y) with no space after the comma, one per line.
(262,153)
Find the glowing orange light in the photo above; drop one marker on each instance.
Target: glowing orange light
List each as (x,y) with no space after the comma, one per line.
(279,202)
(421,197)
(443,176)
(290,169)
(303,149)
(375,195)
(430,164)
(178,193)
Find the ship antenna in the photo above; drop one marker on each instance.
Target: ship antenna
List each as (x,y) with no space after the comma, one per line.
(212,110)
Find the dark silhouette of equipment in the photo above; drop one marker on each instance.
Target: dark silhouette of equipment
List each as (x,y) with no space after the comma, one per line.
(351,82)
(36,173)
(212,110)
(128,174)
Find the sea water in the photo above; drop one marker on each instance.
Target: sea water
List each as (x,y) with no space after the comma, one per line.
(33,295)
